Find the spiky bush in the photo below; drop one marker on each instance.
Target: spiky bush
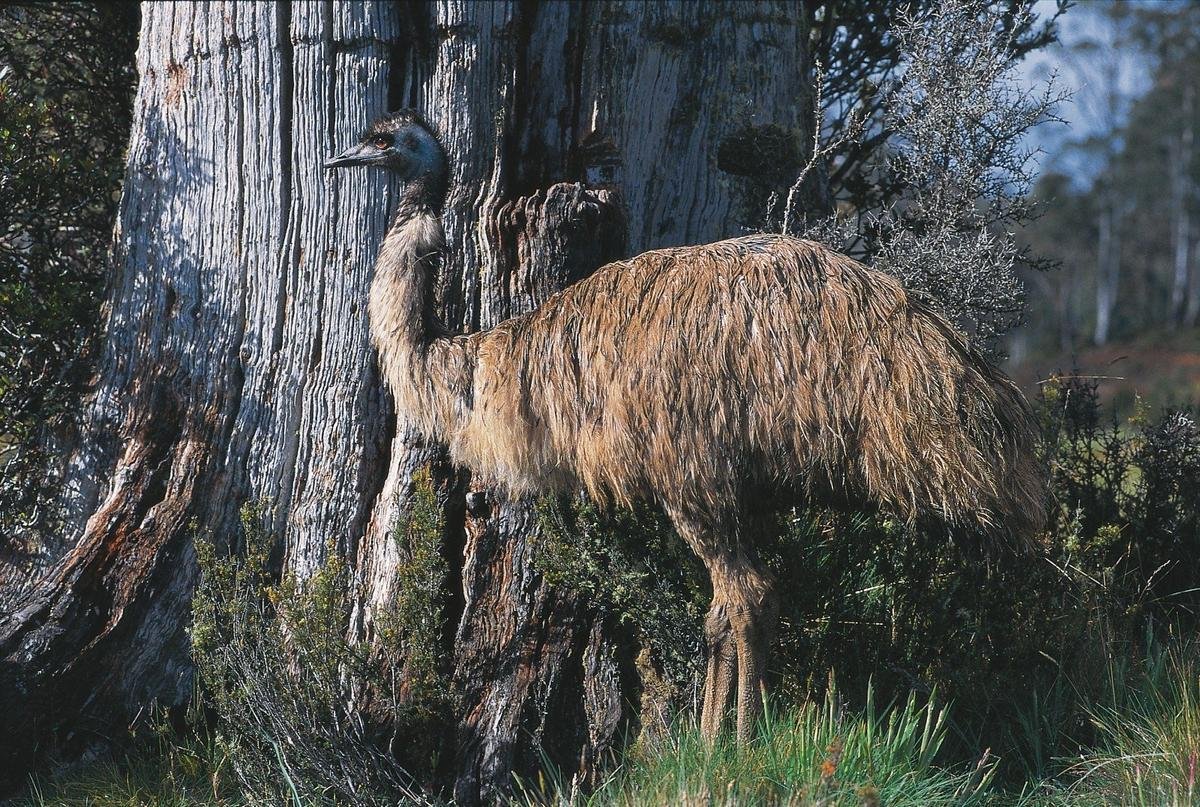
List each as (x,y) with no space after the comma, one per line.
(287,684)
(954,123)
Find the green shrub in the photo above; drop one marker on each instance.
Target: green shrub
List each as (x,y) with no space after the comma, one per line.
(303,712)
(66,87)
(631,566)
(1022,643)
(412,627)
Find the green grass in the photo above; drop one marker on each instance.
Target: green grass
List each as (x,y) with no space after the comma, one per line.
(1147,752)
(1150,749)
(162,771)
(815,754)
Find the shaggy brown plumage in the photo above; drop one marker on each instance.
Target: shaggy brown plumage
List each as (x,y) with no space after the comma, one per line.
(708,379)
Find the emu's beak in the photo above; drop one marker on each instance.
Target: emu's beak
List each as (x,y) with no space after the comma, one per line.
(355,155)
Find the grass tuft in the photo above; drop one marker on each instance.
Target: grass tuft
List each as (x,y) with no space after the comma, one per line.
(165,770)
(1149,752)
(817,754)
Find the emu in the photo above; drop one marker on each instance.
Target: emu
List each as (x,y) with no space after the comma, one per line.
(710,380)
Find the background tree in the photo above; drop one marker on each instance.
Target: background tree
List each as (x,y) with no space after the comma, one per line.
(1102,56)
(1121,204)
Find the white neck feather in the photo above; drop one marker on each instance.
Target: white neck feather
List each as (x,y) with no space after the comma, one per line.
(429,377)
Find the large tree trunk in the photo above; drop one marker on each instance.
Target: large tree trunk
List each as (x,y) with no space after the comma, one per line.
(236,364)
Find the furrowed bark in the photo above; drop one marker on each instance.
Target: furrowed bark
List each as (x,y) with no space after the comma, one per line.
(236,364)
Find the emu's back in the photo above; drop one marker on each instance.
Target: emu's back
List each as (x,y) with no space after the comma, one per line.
(705,376)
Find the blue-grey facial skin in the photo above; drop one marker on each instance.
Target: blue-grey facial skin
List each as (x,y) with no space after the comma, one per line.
(402,144)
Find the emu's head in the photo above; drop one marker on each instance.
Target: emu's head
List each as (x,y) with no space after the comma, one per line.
(400,142)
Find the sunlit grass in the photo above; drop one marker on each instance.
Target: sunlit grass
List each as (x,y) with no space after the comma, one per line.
(1150,741)
(816,754)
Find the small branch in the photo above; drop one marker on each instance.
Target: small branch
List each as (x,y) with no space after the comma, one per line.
(852,130)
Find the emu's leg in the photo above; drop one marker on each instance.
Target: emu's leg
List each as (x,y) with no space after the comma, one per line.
(753,612)
(718,635)
(722,658)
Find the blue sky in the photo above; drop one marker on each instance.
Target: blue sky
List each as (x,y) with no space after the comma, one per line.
(1102,78)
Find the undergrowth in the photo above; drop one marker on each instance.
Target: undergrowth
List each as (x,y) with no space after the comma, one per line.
(819,754)
(1021,642)
(164,767)
(306,708)
(1149,739)
(630,565)
(1053,660)
(280,674)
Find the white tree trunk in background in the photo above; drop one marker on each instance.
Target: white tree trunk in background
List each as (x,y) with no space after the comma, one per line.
(236,364)
(1181,200)
(1191,314)
(1108,268)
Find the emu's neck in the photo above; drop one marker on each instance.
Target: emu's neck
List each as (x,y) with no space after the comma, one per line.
(429,375)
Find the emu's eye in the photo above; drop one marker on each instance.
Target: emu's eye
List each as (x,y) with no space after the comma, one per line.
(381,141)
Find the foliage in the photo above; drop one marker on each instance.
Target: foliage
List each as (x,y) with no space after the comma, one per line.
(66,83)
(631,566)
(1003,633)
(1019,641)
(1030,649)
(1145,721)
(165,769)
(957,175)
(858,46)
(304,713)
(1130,517)
(1149,739)
(960,117)
(412,628)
